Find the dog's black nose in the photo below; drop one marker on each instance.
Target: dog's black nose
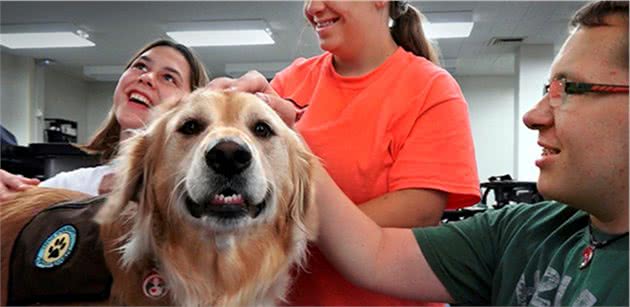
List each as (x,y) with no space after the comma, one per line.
(228,158)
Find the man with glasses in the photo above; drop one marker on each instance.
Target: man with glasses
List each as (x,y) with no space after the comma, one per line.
(569,250)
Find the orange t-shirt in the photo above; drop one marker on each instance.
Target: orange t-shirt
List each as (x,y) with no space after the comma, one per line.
(404,125)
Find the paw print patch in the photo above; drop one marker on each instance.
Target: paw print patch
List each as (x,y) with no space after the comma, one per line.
(57,247)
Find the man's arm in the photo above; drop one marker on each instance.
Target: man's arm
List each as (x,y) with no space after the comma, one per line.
(387,260)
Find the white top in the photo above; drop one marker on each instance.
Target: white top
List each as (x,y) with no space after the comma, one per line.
(84,180)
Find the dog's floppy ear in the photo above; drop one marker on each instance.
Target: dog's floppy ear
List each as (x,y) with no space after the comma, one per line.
(129,170)
(129,210)
(301,205)
(133,164)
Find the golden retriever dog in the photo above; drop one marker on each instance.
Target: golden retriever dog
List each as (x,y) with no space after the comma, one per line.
(212,206)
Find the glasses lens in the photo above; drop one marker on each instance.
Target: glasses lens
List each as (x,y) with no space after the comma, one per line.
(556,92)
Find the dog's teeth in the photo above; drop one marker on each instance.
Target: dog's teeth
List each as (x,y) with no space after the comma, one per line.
(220,199)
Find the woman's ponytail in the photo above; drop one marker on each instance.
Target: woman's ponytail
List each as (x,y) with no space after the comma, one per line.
(407,30)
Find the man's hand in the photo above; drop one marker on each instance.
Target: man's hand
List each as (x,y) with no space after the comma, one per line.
(11,184)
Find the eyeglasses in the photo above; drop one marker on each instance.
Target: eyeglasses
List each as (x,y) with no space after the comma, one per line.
(559,89)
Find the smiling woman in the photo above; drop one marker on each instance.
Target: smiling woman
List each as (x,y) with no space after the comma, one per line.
(161,70)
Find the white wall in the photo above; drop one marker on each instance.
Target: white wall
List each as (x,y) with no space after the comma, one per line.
(66,97)
(531,68)
(17,77)
(491,106)
(99,102)
(503,144)
(26,88)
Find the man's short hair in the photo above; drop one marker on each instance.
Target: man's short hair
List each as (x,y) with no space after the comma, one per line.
(595,14)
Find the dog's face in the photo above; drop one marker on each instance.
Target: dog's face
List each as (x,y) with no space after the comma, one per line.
(220,161)
(233,156)
(217,192)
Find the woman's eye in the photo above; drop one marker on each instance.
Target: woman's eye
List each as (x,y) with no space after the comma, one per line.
(262,130)
(140,66)
(169,78)
(191,127)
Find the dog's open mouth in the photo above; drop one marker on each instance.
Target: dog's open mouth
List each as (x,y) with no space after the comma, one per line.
(226,204)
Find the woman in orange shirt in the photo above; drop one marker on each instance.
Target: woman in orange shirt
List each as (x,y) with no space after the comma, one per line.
(390,126)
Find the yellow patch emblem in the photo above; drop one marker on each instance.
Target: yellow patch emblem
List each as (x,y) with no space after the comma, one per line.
(57,247)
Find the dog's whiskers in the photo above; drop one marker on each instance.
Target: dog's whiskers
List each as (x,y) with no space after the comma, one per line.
(178,191)
(176,196)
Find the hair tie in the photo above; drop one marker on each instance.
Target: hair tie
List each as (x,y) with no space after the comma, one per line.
(401,7)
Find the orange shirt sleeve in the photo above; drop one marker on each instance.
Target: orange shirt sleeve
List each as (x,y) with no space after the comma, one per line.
(437,151)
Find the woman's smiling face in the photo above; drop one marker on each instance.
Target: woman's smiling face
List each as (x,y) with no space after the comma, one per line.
(341,24)
(157,74)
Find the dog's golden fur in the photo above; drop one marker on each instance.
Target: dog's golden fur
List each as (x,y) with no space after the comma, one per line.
(161,215)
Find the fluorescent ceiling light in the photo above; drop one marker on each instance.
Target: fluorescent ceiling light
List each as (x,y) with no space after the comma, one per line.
(221,33)
(53,35)
(222,37)
(448,24)
(447,29)
(43,40)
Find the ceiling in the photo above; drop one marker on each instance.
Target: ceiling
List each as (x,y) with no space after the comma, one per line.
(120,28)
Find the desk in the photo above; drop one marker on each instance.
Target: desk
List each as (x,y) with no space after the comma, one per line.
(44,160)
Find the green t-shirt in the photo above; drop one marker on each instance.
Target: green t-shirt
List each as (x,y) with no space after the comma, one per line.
(526,255)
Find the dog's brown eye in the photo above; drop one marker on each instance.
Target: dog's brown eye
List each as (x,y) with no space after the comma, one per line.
(191,127)
(262,130)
